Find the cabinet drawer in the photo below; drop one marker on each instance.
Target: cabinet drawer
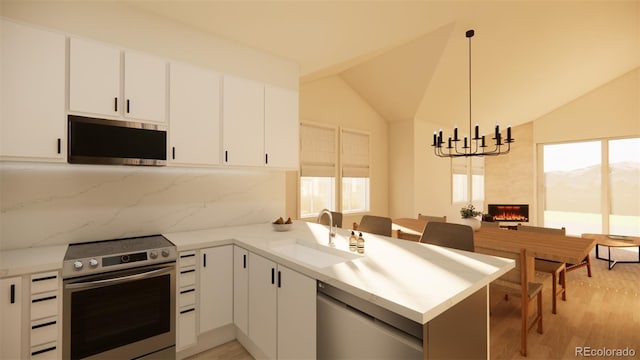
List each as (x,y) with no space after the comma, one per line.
(44,282)
(187,258)
(44,331)
(44,305)
(45,351)
(187,277)
(187,297)
(186,332)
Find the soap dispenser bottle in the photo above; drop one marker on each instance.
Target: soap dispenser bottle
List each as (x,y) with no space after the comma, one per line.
(360,244)
(353,242)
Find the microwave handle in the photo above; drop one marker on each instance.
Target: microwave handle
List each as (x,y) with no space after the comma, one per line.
(88,284)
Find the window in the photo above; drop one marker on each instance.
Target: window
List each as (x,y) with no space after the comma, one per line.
(624,186)
(318,170)
(355,171)
(578,196)
(467,177)
(572,183)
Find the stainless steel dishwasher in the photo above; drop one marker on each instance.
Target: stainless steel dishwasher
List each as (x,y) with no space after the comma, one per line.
(352,328)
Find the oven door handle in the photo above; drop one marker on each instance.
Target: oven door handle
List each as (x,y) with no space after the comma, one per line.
(88,284)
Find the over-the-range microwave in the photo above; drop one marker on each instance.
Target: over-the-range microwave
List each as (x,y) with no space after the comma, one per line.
(115,142)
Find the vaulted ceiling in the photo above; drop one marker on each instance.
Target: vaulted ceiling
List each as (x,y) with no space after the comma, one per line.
(409,59)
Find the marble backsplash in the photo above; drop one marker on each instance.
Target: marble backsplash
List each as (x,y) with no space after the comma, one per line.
(50,204)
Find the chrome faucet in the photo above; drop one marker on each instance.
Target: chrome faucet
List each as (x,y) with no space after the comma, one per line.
(332,231)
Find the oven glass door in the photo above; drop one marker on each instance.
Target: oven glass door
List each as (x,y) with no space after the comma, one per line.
(130,316)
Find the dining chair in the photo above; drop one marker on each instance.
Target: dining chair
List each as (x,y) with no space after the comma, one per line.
(516,283)
(336,216)
(557,270)
(375,225)
(432,218)
(456,236)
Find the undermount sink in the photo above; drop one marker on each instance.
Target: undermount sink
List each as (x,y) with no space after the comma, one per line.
(313,254)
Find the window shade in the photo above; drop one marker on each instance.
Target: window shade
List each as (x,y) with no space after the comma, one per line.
(355,154)
(318,151)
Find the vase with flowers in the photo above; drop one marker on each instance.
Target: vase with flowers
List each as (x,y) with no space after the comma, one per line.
(470,217)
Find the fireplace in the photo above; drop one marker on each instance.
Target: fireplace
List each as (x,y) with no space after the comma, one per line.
(509,212)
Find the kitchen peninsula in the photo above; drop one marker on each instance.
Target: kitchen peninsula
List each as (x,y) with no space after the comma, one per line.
(444,291)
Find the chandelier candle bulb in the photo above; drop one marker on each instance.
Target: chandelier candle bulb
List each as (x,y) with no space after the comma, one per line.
(497,132)
(449,146)
(435,139)
(483,145)
(477,132)
(508,134)
(465,143)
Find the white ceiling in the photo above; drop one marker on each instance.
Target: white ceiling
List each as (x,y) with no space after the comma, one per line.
(409,59)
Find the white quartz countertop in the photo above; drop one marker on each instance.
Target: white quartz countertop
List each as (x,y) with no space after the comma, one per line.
(31,260)
(417,281)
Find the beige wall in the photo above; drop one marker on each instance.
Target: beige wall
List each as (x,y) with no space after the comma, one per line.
(401,168)
(331,101)
(611,110)
(129,27)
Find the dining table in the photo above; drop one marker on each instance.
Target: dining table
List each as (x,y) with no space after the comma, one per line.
(492,240)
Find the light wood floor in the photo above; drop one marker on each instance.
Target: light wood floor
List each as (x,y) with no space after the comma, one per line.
(600,312)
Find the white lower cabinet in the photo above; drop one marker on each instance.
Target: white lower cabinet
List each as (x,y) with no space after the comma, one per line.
(282,310)
(11,315)
(216,287)
(241,289)
(186,335)
(39,325)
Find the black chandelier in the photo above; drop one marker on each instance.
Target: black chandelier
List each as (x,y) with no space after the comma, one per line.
(472,146)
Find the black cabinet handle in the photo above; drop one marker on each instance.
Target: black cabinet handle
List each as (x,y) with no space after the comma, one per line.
(187,271)
(43,325)
(266,158)
(115,104)
(226,156)
(187,311)
(44,278)
(13,293)
(187,291)
(59,146)
(43,299)
(173,152)
(279,279)
(187,255)
(273,276)
(43,351)
(244,261)
(127,106)
(204,260)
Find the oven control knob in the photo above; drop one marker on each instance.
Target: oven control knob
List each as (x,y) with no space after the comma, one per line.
(93,263)
(165,253)
(153,254)
(77,265)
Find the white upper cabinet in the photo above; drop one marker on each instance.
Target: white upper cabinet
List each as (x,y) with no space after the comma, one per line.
(94,78)
(243,122)
(194,115)
(145,87)
(32,92)
(281,128)
(97,73)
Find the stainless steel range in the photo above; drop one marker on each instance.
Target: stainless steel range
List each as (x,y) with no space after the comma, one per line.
(119,299)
